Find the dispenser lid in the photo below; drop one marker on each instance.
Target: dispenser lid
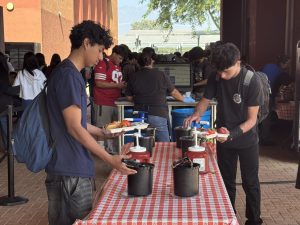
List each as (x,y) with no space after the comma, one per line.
(197,148)
(137,149)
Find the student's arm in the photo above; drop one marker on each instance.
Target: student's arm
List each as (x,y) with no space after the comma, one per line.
(129,98)
(72,118)
(201,107)
(245,126)
(177,95)
(251,119)
(201,83)
(101,134)
(105,84)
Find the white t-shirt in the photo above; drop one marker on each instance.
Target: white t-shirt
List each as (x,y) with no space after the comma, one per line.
(30,86)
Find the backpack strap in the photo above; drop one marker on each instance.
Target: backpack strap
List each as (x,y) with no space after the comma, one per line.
(248,77)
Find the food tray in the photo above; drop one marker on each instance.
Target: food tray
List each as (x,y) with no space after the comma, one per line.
(205,134)
(135,125)
(219,135)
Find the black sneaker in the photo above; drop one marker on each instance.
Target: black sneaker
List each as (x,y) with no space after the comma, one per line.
(249,222)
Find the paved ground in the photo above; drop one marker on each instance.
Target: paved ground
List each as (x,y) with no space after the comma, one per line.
(278,169)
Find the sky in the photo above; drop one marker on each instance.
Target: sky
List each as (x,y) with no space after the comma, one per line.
(131,11)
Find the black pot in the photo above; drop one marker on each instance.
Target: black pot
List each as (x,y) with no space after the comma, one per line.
(186,180)
(140,184)
(186,142)
(149,131)
(179,132)
(146,142)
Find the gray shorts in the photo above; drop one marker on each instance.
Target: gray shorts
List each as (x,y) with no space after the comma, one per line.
(69,198)
(104,115)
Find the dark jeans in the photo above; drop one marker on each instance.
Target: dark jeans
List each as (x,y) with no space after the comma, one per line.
(248,157)
(69,198)
(161,125)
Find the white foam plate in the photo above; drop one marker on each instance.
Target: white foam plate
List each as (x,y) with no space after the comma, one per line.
(204,134)
(222,135)
(135,125)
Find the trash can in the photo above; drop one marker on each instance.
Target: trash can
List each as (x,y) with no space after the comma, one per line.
(178,116)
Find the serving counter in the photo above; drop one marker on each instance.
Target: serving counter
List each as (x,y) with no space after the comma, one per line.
(171,104)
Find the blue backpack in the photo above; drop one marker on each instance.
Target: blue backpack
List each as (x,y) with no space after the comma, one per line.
(32,143)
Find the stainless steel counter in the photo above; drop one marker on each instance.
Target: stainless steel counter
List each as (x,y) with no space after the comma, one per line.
(122,104)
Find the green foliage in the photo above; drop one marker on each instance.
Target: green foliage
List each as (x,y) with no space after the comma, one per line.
(194,12)
(146,24)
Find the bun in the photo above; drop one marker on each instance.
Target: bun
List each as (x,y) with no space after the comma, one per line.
(113,125)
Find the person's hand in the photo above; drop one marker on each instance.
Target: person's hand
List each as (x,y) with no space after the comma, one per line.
(106,134)
(120,166)
(188,100)
(223,130)
(122,85)
(188,121)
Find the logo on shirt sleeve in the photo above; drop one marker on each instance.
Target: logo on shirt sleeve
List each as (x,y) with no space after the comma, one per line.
(100,76)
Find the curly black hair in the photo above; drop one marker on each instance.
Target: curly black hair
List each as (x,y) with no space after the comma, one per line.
(91,30)
(224,56)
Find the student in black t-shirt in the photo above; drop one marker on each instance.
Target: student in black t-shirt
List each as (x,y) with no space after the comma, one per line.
(236,115)
(148,89)
(70,172)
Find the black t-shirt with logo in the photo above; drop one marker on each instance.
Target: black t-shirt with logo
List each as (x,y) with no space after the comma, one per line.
(232,105)
(149,88)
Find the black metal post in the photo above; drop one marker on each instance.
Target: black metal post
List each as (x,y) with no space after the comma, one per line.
(296,137)
(11,199)
(298,178)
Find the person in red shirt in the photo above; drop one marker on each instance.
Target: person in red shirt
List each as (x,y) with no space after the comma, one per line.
(108,86)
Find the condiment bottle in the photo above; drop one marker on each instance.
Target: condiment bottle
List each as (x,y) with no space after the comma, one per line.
(198,154)
(139,153)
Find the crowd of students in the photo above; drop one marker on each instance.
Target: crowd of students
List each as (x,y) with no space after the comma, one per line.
(70,172)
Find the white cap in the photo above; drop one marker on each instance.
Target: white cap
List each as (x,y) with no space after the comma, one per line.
(137,149)
(197,148)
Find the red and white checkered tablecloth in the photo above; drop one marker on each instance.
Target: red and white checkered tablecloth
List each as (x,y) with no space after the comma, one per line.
(211,207)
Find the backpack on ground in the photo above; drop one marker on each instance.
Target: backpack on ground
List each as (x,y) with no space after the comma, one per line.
(32,143)
(266,91)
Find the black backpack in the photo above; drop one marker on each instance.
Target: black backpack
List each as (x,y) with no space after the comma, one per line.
(264,84)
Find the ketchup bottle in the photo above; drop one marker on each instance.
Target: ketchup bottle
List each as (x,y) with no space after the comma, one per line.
(139,153)
(198,154)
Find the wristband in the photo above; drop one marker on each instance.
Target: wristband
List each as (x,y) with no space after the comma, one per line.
(235,133)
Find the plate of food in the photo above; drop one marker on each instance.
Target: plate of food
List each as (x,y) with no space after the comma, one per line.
(124,126)
(222,132)
(220,135)
(208,133)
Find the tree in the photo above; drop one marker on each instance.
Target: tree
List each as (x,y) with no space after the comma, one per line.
(194,12)
(146,24)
